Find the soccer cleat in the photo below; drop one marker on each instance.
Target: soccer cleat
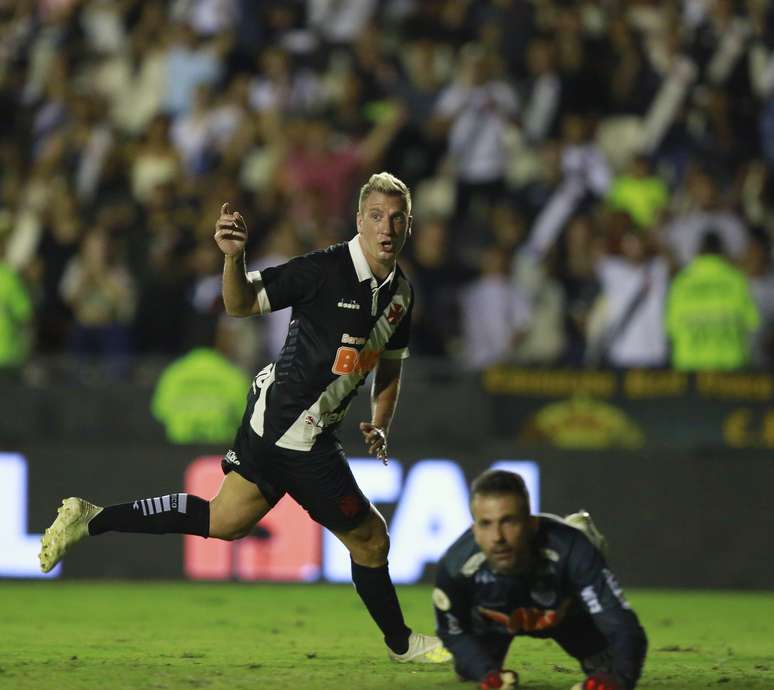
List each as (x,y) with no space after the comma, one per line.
(582,521)
(70,526)
(423,649)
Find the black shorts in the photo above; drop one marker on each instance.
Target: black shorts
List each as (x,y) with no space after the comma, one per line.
(319,480)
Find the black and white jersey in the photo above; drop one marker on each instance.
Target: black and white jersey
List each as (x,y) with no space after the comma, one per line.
(569,579)
(343,322)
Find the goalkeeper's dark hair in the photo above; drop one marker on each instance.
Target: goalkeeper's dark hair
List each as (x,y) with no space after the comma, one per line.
(499,482)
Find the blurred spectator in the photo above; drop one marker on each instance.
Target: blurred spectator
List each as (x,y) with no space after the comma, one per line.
(200,396)
(542,92)
(190,62)
(576,58)
(634,282)
(16,309)
(206,17)
(436,281)
(417,148)
(583,161)
(494,314)
(640,193)
(91,141)
(704,209)
(760,273)
(205,281)
(192,133)
(633,82)
(156,163)
(59,242)
(476,110)
(318,163)
(164,269)
(585,177)
(133,80)
(711,314)
(545,340)
(374,65)
(280,87)
(98,287)
(576,255)
(339,21)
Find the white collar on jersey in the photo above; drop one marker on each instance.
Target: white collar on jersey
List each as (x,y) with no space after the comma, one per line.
(362,268)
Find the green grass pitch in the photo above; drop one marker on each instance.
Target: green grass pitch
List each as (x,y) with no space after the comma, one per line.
(76,635)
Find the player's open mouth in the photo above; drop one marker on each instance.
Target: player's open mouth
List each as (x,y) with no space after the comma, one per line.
(386,245)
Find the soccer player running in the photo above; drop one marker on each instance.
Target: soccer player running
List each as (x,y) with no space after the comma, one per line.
(351,314)
(514,573)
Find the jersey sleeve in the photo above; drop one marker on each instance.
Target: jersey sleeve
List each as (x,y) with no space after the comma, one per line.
(603,598)
(397,345)
(452,604)
(286,285)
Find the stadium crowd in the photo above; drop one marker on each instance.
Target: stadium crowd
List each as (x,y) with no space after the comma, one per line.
(593,181)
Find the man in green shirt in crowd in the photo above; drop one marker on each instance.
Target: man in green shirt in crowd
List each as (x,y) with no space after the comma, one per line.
(200,397)
(711,314)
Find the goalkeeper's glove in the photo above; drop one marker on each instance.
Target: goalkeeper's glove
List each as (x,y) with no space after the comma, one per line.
(496,680)
(602,681)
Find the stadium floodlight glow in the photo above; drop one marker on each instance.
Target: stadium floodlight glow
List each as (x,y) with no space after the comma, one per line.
(18,550)
(382,485)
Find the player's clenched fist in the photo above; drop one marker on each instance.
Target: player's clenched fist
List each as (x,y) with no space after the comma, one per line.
(500,680)
(230,231)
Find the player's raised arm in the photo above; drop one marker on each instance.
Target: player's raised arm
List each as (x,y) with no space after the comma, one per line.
(240,296)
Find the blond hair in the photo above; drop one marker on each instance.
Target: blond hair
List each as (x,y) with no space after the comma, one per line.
(385,183)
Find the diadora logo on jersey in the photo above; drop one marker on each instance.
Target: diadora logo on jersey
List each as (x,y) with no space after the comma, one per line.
(396,310)
(231,458)
(344,303)
(348,339)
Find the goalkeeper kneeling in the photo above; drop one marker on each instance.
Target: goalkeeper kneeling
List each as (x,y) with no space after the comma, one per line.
(514,573)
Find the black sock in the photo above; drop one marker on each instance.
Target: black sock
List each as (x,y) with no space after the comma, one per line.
(378,594)
(173,513)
